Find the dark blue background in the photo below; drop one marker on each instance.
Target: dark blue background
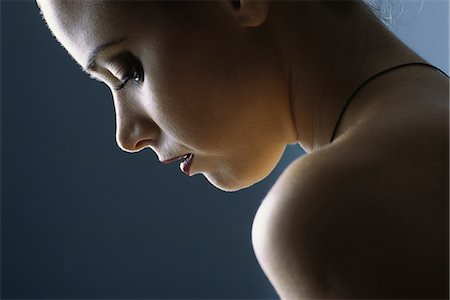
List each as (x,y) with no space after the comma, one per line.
(82,219)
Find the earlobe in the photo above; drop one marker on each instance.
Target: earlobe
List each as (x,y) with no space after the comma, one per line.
(251,13)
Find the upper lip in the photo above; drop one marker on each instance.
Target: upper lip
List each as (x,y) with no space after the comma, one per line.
(168,161)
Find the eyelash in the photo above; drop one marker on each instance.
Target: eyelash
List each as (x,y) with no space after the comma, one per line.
(135,73)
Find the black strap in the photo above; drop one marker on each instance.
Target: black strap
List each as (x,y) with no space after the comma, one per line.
(376,75)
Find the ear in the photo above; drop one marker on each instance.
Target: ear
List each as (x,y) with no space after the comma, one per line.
(250,13)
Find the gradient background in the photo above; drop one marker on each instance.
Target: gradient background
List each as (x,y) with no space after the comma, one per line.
(82,219)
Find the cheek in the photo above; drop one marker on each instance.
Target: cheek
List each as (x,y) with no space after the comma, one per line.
(189,117)
(194,96)
(207,95)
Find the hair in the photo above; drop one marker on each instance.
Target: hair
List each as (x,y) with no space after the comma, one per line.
(390,11)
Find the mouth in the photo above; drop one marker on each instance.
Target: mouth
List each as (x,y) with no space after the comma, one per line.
(185,162)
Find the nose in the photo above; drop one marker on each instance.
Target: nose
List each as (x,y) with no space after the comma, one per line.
(134,131)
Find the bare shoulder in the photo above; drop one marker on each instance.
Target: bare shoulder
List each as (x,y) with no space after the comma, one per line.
(289,224)
(364,219)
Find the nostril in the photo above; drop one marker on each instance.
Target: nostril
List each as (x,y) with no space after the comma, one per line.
(133,142)
(134,134)
(142,144)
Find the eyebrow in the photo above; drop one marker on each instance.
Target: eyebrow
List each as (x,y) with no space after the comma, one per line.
(93,56)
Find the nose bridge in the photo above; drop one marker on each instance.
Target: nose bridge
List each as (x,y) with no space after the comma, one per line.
(134,128)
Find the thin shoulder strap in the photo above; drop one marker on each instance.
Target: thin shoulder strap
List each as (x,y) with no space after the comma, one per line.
(372,77)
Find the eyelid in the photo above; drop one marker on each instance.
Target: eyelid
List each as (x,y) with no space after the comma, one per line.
(121,67)
(132,75)
(118,70)
(122,85)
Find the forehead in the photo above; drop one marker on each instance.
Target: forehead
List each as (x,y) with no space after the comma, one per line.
(82,26)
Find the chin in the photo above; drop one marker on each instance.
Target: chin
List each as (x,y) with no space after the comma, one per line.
(231,184)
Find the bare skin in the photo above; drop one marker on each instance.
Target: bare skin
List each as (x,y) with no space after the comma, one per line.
(365,216)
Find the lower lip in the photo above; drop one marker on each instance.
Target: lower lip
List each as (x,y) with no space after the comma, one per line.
(185,165)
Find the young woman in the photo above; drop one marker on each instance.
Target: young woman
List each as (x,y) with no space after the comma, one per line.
(224,86)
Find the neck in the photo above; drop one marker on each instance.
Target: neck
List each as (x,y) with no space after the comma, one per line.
(332,50)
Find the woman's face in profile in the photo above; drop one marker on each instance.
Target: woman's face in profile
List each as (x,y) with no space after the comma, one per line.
(185,78)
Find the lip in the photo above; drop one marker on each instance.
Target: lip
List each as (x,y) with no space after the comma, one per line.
(185,164)
(168,161)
